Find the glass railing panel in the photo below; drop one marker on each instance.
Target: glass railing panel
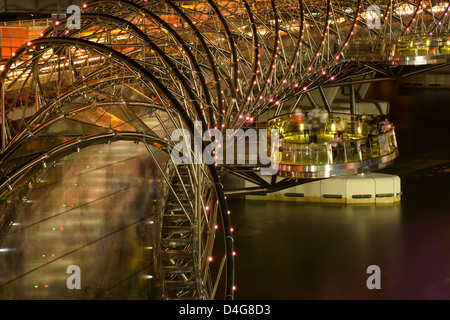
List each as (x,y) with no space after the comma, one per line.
(323,153)
(366,148)
(383,145)
(352,150)
(360,141)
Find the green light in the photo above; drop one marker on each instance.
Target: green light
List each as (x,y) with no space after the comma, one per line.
(76,184)
(64,205)
(43,255)
(36,286)
(53,228)
(87,167)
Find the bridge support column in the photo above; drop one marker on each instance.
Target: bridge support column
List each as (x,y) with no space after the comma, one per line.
(352,100)
(374,188)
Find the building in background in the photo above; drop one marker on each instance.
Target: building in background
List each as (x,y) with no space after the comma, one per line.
(23,20)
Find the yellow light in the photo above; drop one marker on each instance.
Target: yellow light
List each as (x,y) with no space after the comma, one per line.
(333,127)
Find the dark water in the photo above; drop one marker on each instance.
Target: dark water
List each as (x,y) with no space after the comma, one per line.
(316,251)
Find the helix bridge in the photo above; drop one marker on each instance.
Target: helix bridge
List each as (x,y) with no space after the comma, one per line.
(135,71)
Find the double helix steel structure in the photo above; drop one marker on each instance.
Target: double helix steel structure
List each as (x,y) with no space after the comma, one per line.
(138,70)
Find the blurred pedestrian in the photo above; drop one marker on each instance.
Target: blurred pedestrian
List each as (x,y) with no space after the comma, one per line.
(336,147)
(323,120)
(340,127)
(297,119)
(314,130)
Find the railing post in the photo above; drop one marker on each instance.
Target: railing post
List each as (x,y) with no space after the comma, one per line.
(352,100)
(345,151)
(3,110)
(329,153)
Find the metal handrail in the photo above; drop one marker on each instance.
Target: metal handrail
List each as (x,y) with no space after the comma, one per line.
(327,153)
(355,124)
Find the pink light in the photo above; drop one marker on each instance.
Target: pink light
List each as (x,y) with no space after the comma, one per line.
(251,119)
(332,78)
(85,5)
(305,88)
(240,116)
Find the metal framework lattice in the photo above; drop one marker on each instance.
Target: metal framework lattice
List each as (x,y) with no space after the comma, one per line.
(137,70)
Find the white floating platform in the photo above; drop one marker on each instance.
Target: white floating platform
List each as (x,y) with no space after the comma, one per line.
(363,188)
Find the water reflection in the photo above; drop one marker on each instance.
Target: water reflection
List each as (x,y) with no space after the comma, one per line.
(311,251)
